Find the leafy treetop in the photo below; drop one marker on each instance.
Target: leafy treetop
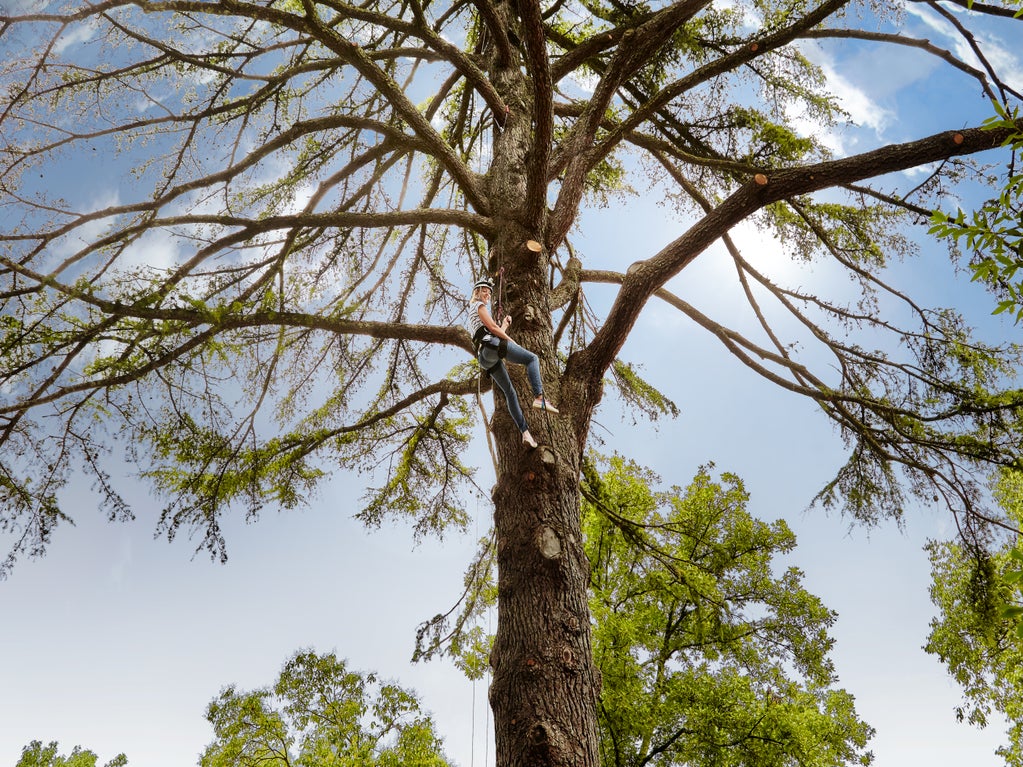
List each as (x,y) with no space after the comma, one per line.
(260,279)
(317,713)
(35,754)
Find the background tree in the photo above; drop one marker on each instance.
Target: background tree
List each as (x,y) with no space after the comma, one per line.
(35,754)
(707,656)
(271,290)
(978,631)
(319,713)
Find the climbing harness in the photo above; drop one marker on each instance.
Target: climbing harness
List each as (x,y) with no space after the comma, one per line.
(484,338)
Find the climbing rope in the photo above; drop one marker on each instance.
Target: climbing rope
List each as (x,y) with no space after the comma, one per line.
(486,421)
(500,294)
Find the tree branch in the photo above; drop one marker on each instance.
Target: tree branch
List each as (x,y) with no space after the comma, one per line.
(644,278)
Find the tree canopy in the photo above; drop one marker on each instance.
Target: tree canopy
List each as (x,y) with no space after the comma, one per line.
(301,193)
(707,656)
(318,713)
(978,632)
(35,754)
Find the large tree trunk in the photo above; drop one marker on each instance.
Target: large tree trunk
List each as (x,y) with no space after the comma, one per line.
(545,685)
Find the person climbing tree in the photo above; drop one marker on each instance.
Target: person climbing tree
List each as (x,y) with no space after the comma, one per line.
(493,345)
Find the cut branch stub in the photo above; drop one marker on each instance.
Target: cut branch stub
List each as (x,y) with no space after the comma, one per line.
(549,543)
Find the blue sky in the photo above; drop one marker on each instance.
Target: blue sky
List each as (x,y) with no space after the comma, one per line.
(116,641)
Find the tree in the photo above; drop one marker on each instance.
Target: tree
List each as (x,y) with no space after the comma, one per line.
(706,657)
(35,754)
(978,631)
(317,713)
(321,713)
(270,291)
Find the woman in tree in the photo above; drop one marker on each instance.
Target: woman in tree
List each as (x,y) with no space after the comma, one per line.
(493,346)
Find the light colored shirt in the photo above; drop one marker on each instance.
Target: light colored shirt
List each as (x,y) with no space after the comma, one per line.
(474,323)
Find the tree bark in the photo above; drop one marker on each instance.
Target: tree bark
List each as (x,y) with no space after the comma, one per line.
(545,685)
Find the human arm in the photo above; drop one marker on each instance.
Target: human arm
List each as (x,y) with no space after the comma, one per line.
(491,325)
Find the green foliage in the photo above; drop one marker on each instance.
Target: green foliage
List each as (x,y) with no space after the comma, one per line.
(421,478)
(959,376)
(320,713)
(862,235)
(770,143)
(640,394)
(608,182)
(709,652)
(978,631)
(708,655)
(459,632)
(35,754)
(993,233)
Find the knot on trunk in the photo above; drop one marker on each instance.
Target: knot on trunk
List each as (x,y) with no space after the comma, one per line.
(549,744)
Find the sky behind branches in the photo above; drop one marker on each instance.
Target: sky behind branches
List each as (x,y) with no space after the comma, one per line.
(116,641)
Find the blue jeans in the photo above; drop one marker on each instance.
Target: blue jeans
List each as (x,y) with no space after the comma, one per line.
(494,365)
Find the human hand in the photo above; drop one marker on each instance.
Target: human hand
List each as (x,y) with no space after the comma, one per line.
(506,322)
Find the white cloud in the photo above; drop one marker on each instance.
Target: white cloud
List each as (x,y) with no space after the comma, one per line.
(863,108)
(64,250)
(1003,57)
(584,81)
(931,21)
(299,199)
(1005,60)
(157,249)
(749,19)
(81,33)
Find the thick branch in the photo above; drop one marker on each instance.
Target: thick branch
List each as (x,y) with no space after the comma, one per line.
(634,51)
(535,39)
(645,277)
